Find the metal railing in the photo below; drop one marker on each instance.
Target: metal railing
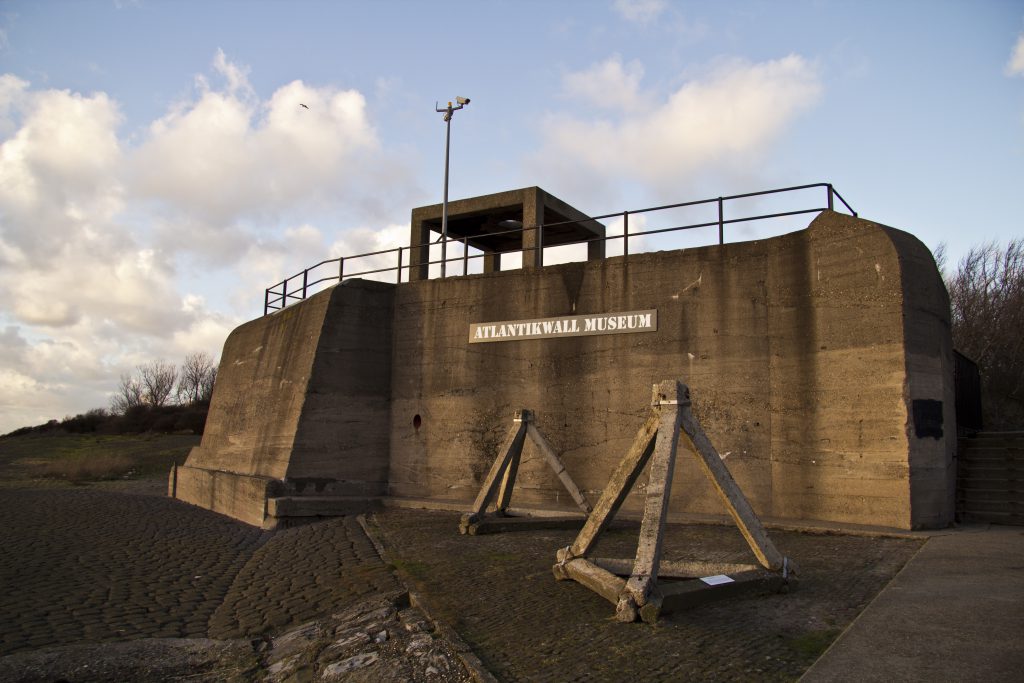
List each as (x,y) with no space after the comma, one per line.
(297,287)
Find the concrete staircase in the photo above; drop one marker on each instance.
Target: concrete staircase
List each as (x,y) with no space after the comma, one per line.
(990,478)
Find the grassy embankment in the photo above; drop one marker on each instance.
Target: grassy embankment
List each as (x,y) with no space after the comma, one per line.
(71,459)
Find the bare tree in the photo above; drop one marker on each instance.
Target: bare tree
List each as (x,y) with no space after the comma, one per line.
(987,305)
(206,390)
(195,384)
(129,394)
(158,379)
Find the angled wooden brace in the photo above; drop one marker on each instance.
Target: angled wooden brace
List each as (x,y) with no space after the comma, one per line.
(502,474)
(505,469)
(640,594)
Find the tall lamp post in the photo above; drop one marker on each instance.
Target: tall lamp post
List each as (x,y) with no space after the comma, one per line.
(449,112)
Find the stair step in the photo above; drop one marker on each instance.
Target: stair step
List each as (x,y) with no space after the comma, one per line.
(990,477)
(994,517)
(997,506)
(989,495)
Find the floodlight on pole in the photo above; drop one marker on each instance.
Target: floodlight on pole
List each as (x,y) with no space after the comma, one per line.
(449,112)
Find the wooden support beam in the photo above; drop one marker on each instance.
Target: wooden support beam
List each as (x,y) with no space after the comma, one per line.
(643,596)
(601,581)
(510,450)
(501,479)
(675,569)
(508,481)
(667,396)
(494,525)
(735,502)
(678,595)
(556,464)
(619,486)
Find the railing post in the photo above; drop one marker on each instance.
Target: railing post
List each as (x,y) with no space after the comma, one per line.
(465,256)
(625,233)
(305,279)
(400,265)
(266,300)
(721,221)
(539,256)
(830,196)
(341,269)
(284,293)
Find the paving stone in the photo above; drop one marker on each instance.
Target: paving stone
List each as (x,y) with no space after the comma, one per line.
(499,594)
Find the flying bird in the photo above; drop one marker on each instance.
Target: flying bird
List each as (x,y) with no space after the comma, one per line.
(302,105)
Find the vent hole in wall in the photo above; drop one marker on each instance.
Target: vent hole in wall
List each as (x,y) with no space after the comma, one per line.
(416,422)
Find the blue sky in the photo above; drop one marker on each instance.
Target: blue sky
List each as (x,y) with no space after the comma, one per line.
(156,172)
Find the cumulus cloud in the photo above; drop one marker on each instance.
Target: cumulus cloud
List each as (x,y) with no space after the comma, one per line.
(639,11)
(226,155)
(1015,67)
(609,84)
(725,118)
(110,245)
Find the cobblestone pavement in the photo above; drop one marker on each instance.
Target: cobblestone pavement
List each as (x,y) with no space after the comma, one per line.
(499,594)
(93,566)
(295,576)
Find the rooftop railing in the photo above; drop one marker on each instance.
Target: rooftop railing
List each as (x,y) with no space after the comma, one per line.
(297,287)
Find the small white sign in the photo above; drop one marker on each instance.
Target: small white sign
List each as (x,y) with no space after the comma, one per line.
(716,580)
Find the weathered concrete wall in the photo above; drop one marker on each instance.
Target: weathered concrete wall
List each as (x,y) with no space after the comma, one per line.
(302,399)
(819,362)
(804,355)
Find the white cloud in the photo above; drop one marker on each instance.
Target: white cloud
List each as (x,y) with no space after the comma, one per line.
(639,11)
(1015,67)
(227,156)
(109,249)
(722,120)
(609,84)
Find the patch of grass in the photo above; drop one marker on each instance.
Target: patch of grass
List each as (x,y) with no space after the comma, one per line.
(78,468)
(91,457)
(813,643)
(412,568)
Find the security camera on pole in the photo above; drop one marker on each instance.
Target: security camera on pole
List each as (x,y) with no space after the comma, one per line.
(449,111)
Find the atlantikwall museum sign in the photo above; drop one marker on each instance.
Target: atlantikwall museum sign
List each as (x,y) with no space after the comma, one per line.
(564,326)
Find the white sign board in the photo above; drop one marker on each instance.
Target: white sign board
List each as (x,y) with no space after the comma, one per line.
(627,322)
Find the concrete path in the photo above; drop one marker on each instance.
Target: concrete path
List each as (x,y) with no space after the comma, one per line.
(954,613)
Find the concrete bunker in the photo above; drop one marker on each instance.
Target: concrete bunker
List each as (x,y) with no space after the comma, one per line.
(809,351)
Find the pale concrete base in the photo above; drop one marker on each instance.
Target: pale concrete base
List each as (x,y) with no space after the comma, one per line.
(287,511)
(236,495)
(260,501)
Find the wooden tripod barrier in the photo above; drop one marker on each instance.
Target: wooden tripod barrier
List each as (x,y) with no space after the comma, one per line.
(633,585)
(501,479)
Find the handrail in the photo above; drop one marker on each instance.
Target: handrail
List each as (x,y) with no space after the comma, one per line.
(278,296)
